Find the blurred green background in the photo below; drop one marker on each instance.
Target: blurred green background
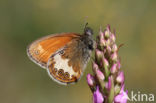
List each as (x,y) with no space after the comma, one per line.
(22,21)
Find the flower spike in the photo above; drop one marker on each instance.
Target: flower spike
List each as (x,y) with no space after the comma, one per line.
(107,83)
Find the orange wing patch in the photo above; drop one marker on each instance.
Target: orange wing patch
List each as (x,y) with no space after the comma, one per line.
(41,50)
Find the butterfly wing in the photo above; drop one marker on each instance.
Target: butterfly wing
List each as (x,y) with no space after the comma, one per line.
(40,50)
(67,64)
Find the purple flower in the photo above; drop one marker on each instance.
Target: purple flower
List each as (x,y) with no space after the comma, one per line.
(97,96)
(109,49)
(120,78)
(105,62)
(102,42)
(108,42)
(122,97)
(94,66)
(107,84)
(118,64)
(98,54)
(90,80)
(112,37)
(114,48)
(114,68)
(107,32)
(114,56)
(99,75)
(101,34)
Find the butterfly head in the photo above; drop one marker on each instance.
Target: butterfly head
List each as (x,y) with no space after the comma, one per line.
(87,30)
(88,38)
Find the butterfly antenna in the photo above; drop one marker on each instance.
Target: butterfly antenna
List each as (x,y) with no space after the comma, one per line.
(86,25)
(120,47)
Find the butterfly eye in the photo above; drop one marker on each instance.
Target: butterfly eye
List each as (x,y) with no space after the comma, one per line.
(90,45)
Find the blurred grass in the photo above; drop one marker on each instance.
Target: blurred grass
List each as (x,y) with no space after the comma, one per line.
(22,21)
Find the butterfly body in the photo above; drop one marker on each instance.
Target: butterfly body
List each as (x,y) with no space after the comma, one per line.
(63,55)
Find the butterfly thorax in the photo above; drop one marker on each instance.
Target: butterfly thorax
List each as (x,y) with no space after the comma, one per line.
(88,42)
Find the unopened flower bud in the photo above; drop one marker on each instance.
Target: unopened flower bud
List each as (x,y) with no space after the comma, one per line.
(98,55)
(107,32)
(101,34)
(109,83)
(109,49)
(114,68)
(114,56)
(114,48)
(94,66)
(105,62)
(102,43)
(100,75)
(112,37)
(108,42)
(90,80)
(105,66)
(120,78)
(118,64)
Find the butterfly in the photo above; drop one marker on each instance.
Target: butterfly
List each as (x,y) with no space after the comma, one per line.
(63,55)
